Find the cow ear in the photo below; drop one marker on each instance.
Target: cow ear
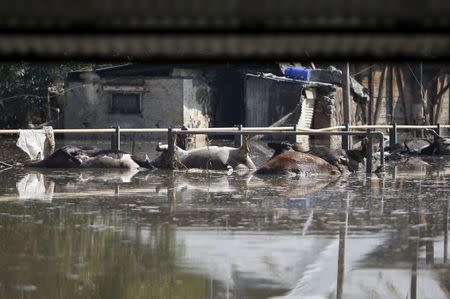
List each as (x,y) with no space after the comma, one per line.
(244,150)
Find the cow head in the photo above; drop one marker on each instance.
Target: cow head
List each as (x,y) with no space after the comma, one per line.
(279,147)
(244,162)
(163,160)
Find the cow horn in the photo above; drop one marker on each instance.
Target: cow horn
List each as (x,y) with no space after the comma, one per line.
(433,132)
(161,147)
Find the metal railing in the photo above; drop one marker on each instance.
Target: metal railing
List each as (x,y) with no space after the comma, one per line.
(239,131)
(227,130)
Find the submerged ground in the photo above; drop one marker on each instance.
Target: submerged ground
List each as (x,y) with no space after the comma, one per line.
(161,234)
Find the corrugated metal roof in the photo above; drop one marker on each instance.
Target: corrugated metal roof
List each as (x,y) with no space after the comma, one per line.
(270,76)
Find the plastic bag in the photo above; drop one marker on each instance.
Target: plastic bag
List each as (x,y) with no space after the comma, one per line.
(37,143)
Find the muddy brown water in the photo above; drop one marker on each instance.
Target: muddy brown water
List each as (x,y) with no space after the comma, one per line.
(196,234)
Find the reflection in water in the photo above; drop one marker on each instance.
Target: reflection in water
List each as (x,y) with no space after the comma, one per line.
(157,234)
(33,186)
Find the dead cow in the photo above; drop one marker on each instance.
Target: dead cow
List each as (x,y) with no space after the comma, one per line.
(209,157)
(285,160)
(88,157)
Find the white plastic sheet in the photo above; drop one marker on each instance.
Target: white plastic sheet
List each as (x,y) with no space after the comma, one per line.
(36,143)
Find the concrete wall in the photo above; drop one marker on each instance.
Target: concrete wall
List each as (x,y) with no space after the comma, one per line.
(166,102)
(88,106)
(328,112)
(196,109)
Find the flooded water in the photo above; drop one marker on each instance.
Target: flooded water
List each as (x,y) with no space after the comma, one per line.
(196,234)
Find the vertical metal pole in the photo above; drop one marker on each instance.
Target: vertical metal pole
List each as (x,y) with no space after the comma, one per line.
(438,129)
(393,134)
(238,137)
(382,195)
(115,139)
(133,144)
(369,152)
(295,138)
(446,231)
(429,243)
(382,151)
(49,116)
(341,252)
(341,263)
(370,110)
(413,289)
(345,138)
(171,195)
(414,249)
(171,148)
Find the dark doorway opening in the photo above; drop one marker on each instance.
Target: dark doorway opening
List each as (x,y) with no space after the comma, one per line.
(229,107)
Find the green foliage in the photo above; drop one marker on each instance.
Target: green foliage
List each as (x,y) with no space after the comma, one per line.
(24,90)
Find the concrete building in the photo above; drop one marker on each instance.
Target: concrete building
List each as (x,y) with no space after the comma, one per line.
(135,96)
(151,96)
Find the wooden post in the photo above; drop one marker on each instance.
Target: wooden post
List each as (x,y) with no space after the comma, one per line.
(115,139)
(379,96)
(401,93)
(238,137)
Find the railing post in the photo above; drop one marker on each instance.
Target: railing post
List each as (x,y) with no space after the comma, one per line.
(346,138)
(294,138)
(369,153)
(171,148)
(382,151)
(393,134)
(115,139)
(438,129)
(238,137)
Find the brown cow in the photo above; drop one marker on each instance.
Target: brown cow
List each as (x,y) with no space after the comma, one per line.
(285,160)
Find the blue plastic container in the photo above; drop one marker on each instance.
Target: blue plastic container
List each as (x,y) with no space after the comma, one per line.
(298,73)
